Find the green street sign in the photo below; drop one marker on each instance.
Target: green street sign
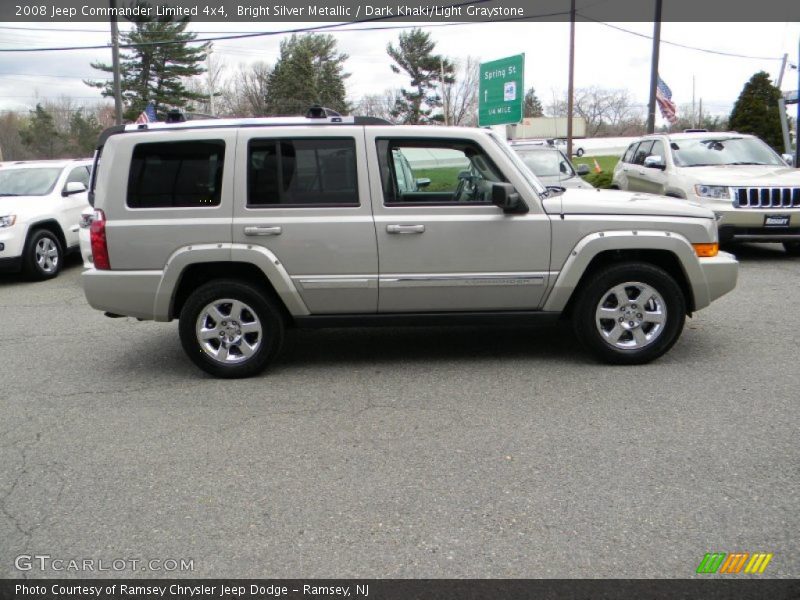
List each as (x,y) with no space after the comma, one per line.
(501,91)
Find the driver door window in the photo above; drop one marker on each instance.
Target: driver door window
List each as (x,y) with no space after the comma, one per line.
(448,172)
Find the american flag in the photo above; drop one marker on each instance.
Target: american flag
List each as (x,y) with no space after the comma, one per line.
(148,114)
(665,103)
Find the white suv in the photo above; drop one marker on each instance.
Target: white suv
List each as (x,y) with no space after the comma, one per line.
(40,205)
(754,193)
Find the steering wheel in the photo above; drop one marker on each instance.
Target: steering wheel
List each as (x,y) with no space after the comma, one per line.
(464,178)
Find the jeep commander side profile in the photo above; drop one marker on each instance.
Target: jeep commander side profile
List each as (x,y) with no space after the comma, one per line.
(242,228)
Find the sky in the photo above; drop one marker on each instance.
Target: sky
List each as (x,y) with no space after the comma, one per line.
(605,57)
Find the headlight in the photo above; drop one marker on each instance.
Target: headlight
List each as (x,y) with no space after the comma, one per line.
(7,221)
(719,192)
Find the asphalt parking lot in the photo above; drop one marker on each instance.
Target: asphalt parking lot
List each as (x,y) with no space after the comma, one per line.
(402,452)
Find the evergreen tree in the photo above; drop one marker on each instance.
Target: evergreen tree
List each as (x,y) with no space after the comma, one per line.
(156,66)
(756,110)
(83,133)
(309,71)
(40,136)
(414,56)
(532,106)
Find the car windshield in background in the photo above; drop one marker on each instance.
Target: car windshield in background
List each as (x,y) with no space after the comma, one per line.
(726,151)
(545,163)
(28,182)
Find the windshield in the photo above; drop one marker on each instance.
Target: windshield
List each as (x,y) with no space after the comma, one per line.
(524,169)
(27,182)
(725,151)
(546,163)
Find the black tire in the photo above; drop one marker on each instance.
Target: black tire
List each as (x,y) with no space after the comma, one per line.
(579,152)
(258,310)
(37,266)
(599,288)
(792,248)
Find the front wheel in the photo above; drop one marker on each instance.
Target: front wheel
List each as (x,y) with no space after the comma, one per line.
(630,313)
(43,255)
(792,248)
(230,329)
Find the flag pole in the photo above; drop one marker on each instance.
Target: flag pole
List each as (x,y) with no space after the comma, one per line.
(651,105)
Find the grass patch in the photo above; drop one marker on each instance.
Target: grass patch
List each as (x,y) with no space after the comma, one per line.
(443,179)
(607,164)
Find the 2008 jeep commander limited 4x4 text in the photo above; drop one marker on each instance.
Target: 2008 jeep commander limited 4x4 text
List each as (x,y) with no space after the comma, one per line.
(242,228)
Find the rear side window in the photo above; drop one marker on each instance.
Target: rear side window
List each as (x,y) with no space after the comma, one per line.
(302,172)
(176,174)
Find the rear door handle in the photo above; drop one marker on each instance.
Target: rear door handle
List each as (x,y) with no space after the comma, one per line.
(263,230)
(405,228)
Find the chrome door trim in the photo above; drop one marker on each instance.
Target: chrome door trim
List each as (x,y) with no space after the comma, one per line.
(343,282)
(462,280)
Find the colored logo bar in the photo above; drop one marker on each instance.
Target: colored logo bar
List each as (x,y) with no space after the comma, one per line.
(723,563)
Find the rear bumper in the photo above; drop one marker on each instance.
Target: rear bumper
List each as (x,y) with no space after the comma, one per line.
(128,293)
(721,273)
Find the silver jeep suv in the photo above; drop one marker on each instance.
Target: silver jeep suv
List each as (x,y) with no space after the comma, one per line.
(242,228)
(752,190)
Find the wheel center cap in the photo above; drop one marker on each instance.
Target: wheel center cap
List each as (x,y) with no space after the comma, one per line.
(631,317)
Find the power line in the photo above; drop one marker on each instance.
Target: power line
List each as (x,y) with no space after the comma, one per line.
(687,47)
(330,26)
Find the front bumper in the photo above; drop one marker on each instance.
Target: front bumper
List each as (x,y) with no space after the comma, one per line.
(720,273)
(748,224)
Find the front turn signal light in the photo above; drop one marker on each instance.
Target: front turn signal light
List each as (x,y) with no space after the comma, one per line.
(706,250)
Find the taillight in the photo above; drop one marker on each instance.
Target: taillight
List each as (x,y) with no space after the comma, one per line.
(97,234)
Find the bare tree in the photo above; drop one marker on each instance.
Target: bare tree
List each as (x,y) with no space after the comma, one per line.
(461,97)
(376,105)
(245,93)
(606,111)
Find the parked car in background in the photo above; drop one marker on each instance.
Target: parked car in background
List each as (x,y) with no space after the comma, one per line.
(753,191)
(552,166)
(40,205)
(561,144)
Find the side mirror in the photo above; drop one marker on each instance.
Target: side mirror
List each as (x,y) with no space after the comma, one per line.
(654,162)
(506,197)
(582,170)
(423,182)
(73,187)
(788,159)
(465,175)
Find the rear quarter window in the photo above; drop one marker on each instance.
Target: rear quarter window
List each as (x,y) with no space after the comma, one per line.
(176,174)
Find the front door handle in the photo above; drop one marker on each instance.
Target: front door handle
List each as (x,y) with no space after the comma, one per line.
(263,230)
(405,228)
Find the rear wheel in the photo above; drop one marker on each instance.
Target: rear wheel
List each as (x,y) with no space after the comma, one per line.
(42,257)
(579,152)
(230,329)
(630,313)
(792,248)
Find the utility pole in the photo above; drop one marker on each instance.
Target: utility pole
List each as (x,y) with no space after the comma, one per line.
(797,120)
(571,83)
(651,105)
(211,77)
(115,63)
(444,96)
(694,122)
(787,142)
